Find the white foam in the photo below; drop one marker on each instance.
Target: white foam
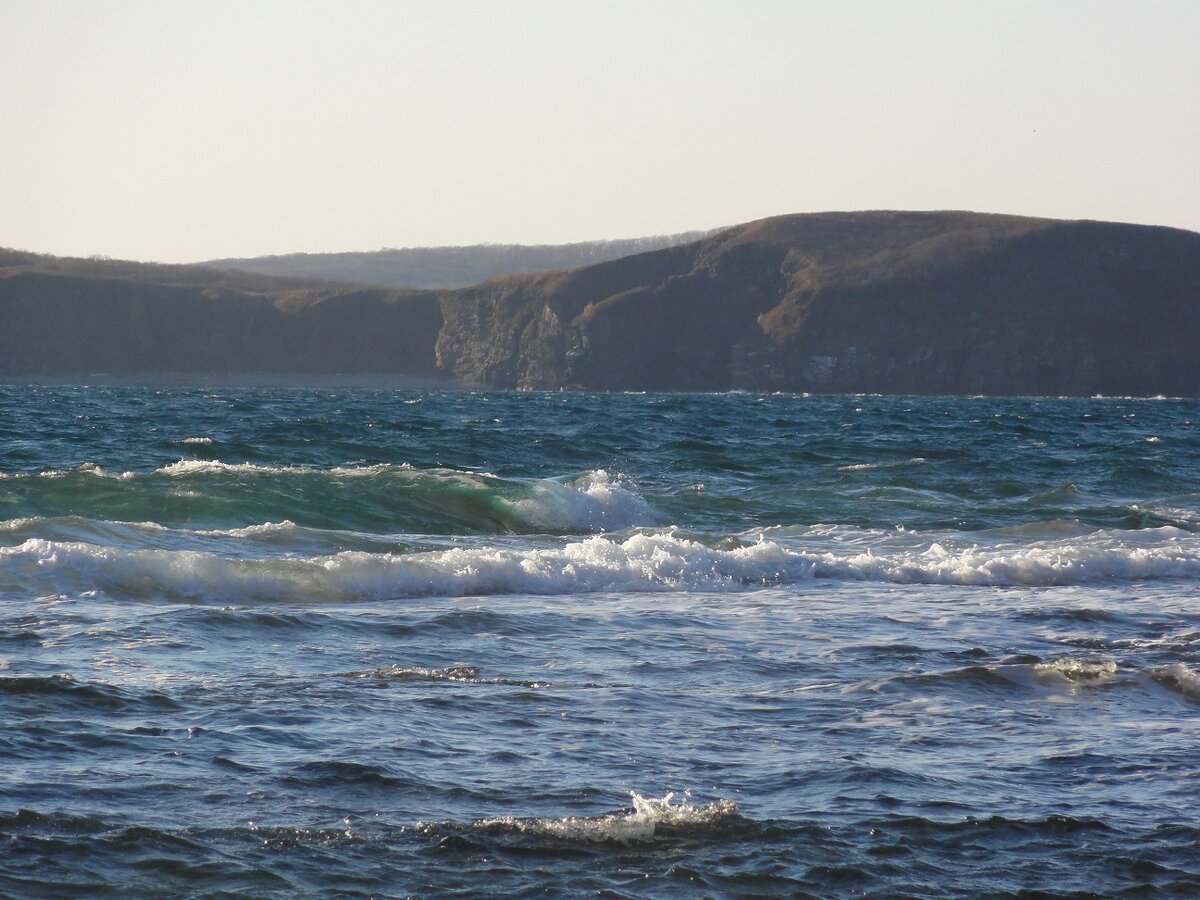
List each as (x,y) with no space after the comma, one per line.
(78,522)
(417,673)
(20,524)
(648,816)
(197,440)
(1093,557)
(286,528)
(100,532)
(594,502)
(1179,678)
(361,471)
(867,467)
(87,468)
(1073,673)
(185,467)
(1187,517)
(651,561)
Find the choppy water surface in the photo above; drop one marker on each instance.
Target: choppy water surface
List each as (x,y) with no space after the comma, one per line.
(277,642)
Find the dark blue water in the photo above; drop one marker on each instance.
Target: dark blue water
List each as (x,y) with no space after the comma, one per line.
(278,642)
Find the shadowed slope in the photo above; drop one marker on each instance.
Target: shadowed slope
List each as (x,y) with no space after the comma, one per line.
(82,317)
(882,302)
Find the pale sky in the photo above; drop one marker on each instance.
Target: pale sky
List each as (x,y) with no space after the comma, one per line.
(180,131)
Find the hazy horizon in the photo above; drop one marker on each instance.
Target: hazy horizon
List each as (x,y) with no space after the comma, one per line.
(199,131)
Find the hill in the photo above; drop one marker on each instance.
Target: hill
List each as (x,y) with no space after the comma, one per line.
(447,267)
(888,302)
(82,317)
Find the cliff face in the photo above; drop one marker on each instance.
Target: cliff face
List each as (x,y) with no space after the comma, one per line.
(858,302)
(520,331)
(870,302)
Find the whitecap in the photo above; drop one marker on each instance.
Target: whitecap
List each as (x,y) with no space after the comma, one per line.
(642,561)
(186,467)
(1070,672)
(641,824)
(868,467)
(1179,678)
(364,471)
(596,501)
(285,528)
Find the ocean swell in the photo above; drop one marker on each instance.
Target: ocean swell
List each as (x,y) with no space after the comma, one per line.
(367,497)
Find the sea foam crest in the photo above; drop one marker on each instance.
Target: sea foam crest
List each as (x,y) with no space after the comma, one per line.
(1072,673)
(648,562)
(595,502)
(184,467)
(643,823)
(285,528)
(1101,556)
(1179,678)
(188,467)
(643,561)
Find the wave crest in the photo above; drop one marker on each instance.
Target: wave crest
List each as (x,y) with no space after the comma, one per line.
(1180,679)
(366,497)
(648,818)
(642,561)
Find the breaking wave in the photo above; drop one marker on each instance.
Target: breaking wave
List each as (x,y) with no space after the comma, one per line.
(1180,679)
(368,498)
(640,561)
(649,818)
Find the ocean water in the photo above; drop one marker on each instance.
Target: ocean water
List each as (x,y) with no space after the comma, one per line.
(286,642)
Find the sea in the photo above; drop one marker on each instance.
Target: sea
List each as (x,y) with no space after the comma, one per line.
(354,642)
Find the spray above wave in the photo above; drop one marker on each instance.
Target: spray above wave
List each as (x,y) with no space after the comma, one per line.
(642,561)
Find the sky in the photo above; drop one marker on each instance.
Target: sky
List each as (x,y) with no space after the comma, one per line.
(185,131)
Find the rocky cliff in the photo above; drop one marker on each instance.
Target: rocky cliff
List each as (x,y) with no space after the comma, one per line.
(871,302)
(887,302)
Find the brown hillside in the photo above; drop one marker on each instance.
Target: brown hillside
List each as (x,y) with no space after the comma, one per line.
(879,302)
(896,302)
